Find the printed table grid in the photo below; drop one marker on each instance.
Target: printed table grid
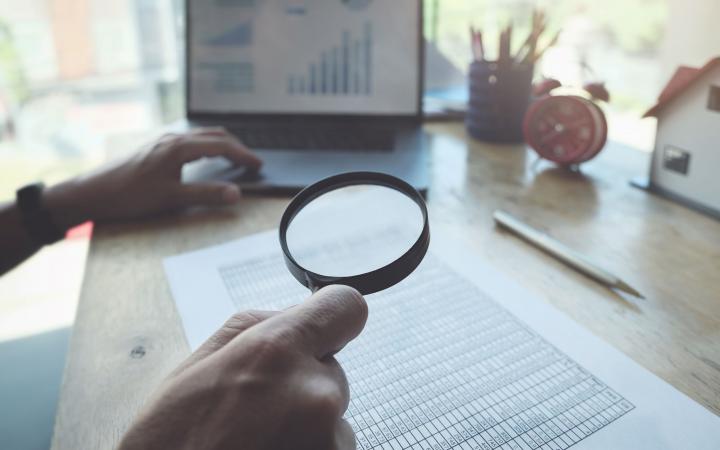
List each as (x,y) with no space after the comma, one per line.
(441,366)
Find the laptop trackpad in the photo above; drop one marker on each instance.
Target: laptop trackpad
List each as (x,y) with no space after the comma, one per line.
(218,169)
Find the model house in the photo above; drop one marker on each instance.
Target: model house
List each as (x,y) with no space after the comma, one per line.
(686,160)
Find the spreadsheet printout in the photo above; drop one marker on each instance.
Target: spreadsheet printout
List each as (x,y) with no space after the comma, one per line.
(458,357)
(430,374)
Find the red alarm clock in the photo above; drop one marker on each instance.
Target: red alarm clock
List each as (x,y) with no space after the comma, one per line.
(566,129)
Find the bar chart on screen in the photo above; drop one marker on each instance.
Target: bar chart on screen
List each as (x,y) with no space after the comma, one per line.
(342,70)
(238,36)
(304,56)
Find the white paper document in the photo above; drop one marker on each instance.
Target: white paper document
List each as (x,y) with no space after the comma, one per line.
(457,356)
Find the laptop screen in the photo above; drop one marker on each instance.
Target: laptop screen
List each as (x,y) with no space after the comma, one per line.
(347,57)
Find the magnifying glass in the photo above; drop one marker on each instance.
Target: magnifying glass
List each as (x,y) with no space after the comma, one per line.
(365,230)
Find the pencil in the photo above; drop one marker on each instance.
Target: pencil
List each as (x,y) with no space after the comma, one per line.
(473,47)
(551,44)
(563,253)
(503,49)
(508,40)
(480,45)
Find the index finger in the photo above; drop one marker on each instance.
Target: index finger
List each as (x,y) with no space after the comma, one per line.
(199,146)
(232,328)
(324,323)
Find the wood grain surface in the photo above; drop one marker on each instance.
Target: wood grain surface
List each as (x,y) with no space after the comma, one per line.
(127,335)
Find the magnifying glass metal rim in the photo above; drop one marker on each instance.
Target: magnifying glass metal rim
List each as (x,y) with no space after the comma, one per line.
(375,280)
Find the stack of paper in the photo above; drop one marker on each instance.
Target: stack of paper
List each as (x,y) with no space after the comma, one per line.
(458,357)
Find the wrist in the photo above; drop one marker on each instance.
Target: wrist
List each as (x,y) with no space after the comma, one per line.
(67,204)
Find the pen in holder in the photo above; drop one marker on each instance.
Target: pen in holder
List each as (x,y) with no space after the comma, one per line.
(499,97)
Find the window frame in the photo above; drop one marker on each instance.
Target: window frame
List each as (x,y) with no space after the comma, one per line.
(714,98)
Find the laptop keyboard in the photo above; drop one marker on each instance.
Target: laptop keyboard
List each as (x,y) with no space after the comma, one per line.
(379,140)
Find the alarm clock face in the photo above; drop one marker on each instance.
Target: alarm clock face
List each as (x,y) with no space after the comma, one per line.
(565,129)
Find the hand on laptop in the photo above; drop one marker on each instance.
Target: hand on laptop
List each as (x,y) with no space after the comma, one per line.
(150,182)
(266,380)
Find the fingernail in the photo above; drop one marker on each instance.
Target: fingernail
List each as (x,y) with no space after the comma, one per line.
(231,194)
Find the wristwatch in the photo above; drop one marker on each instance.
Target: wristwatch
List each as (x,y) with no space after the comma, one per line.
(35,217)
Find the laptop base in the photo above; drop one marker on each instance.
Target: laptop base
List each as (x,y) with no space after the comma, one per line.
(287,171)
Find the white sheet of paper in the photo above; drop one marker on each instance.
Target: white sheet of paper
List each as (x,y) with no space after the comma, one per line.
(457,356)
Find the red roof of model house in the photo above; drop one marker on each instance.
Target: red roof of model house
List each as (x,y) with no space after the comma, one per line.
(684,77)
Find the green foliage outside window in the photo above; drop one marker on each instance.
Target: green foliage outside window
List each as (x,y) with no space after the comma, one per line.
(13,84)
(633,25)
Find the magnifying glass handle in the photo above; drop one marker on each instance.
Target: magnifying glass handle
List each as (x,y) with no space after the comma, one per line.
(312,284)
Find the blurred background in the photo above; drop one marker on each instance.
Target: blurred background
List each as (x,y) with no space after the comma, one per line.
(80,80)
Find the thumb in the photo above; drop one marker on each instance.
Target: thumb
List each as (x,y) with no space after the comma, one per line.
(324,323)
(200,194)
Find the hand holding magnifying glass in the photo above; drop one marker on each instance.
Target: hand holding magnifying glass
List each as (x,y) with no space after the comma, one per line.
(268,380)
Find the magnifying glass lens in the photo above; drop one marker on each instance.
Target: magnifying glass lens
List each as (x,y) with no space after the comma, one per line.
(366,230)
(354,230)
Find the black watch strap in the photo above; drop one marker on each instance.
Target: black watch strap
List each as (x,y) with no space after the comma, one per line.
(37,220)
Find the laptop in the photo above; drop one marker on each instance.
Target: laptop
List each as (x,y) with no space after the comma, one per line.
(313,87)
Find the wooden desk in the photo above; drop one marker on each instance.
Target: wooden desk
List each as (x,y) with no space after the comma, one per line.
(128,336)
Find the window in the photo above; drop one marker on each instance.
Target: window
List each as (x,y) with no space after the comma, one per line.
(616,41)
(77,77)
(714,100)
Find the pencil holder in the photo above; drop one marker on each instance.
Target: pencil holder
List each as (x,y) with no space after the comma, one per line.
(499,97)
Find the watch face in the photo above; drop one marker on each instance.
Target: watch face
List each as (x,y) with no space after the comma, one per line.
(565,129)
(29,197)
(37,220)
